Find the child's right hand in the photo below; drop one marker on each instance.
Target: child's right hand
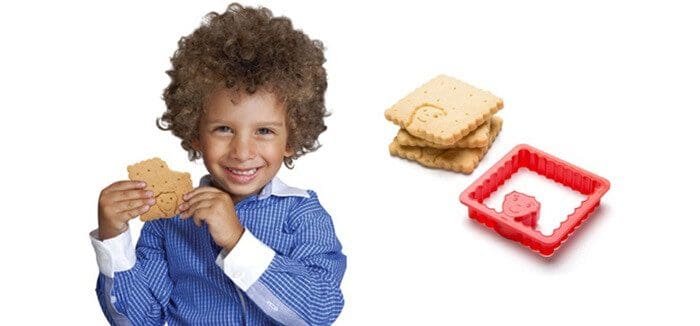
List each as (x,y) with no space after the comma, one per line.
(119,203)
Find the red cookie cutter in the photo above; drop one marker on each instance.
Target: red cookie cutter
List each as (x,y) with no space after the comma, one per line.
(517,222)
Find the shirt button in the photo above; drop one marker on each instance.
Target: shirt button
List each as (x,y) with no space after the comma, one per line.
(112,298)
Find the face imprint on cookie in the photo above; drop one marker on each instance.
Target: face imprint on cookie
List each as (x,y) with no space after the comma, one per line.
(426,113)
(167,202)
(167,186)
(243,140)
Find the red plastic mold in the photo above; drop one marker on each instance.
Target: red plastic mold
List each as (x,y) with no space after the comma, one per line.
(518,225)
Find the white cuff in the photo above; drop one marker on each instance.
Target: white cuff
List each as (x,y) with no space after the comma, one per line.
(115,254)
(247,261)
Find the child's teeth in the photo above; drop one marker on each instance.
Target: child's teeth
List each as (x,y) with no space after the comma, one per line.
(243,172)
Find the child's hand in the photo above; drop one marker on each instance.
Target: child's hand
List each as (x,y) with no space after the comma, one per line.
(119,203)
(215,207)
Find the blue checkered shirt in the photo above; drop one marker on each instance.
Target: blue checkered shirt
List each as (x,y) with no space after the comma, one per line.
(178,275)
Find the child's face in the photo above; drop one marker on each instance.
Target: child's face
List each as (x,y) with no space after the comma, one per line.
(243,141)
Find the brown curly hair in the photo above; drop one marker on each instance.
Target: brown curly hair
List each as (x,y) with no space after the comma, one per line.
(245,49)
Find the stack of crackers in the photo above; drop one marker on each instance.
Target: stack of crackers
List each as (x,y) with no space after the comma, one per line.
(445,124)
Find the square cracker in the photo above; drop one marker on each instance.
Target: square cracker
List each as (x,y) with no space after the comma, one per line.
(462,160)
(443,110)
(477,138)
(168,186)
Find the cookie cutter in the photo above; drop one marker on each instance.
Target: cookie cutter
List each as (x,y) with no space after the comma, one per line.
(518,224)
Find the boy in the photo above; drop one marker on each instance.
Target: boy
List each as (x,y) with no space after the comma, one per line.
(246,94)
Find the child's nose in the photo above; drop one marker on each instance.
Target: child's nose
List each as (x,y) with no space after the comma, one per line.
(242,149)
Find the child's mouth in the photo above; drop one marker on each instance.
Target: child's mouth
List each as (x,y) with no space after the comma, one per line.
(241,176)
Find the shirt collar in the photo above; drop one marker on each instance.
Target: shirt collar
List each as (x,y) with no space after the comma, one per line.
(274,187)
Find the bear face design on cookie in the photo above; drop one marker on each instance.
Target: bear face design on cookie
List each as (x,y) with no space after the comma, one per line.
(167,202)
(168,186)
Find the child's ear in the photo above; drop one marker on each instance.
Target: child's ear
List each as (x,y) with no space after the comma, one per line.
(195,145)
(288,152)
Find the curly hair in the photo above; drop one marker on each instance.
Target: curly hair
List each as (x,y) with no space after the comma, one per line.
(245,49)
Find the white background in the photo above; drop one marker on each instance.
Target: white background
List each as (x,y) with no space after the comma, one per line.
(611,87)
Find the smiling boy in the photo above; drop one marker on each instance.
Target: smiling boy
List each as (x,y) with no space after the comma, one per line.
(246,95)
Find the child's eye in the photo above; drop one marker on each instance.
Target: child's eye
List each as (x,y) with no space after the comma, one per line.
(222,129)
(265,131)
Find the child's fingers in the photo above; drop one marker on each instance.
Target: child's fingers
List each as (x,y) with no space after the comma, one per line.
(195,210)
(126,195)
(192,209)
(197,199)
(129,205)
(200,216)
(132,213)
(199,190)
(125,185)
(198,221)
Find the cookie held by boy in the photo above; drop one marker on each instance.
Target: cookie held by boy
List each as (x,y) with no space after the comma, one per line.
(168,186)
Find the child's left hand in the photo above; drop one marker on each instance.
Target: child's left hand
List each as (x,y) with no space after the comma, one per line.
(216,208)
